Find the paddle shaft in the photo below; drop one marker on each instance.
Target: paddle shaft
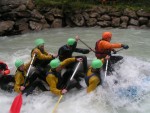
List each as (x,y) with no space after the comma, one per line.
(106,68)
(95,51)
(66,88)
(73,74)
(87,45)
(61,96)
(29,69)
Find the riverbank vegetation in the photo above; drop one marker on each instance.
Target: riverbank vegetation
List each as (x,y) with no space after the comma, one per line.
(83,4)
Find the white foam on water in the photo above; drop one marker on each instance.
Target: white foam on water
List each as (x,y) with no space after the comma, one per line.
(129,95)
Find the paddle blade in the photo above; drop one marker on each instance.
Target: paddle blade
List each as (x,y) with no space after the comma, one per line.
(16,105)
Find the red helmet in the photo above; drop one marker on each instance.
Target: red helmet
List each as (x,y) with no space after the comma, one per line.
(106,35)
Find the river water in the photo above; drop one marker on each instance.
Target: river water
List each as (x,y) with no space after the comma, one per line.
(130,95)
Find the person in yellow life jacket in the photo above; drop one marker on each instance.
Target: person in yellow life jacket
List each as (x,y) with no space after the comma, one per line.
(58,82)
(42,58)
(103,47)
(93,78)
(30,84)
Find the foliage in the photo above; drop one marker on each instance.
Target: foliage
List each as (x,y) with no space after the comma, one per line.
(83,4)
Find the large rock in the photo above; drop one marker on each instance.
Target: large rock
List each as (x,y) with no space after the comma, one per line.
(6,26)
(123,25)
(124,19)
(6,2)
(143,27)
(115,22)
(143,20)
(133,27)
(30,5)
(24,14)
(35,26)
(148,25)
(100,10)
(49,17)
(44,23)
(91,22)
(85,15)
(143,13)
(9,16)
(57,23)
(105,18)
(117,14)
(4,9)
(36,14)
(78,20)
(104,23)
(22,25)
(56,12)
(134,22)
(130,13)
(21,7)
(93,14)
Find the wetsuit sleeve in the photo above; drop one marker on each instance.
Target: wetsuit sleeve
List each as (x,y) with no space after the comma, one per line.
(83,51)
(18,82)
(93,82)
(42,56)
(67,61)
(52,82)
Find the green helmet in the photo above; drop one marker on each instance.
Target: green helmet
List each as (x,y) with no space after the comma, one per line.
(55,63)
(39,42)
(97,64)
(18,63)
(71,41)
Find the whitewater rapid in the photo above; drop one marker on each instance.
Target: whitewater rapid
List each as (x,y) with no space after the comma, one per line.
(130,95)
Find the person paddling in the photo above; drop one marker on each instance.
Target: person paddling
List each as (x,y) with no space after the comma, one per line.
(93,77)
(42,58)
(67,50)
(103,47)
(5,78)
(58,82)
(31,83)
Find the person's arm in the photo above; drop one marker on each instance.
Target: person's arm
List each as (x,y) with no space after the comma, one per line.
(67,61)
(41,56)
(108,45)
(18,82)
(83,51)
(93,82)
(52,82)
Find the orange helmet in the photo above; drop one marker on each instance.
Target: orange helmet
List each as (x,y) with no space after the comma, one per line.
(106,35)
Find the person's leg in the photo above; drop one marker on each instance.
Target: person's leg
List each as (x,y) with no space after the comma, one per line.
(5,80)
(29,89)
(115,59)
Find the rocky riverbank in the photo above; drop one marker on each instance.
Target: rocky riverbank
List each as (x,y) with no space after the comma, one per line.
(25,17)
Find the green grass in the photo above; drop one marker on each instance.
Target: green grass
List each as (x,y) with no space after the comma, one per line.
(69,5)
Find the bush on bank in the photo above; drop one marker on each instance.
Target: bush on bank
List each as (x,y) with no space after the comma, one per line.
(83,4)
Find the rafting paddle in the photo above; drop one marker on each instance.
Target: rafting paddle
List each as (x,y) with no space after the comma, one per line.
(87,45)
(17,103)
(66,87)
